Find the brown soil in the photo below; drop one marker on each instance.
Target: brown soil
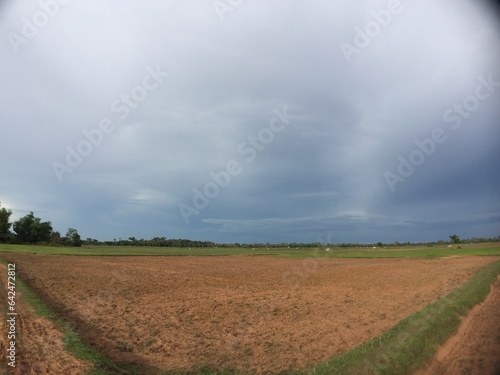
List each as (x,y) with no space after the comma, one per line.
(262,314)
(475,348)
(39,345)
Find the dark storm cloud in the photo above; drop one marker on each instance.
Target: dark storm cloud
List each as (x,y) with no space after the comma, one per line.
(324,174)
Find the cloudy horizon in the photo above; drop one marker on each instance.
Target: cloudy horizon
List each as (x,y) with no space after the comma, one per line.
(253,121)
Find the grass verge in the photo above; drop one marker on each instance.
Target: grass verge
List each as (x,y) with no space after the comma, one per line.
(484,249)
(414,340)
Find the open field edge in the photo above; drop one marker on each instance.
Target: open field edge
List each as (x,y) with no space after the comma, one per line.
(414,340)
(401,350)
(73,343)
(427,252)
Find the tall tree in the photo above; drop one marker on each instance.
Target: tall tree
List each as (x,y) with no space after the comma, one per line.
(55,238)
(31,229)
(74,237)
(4,223)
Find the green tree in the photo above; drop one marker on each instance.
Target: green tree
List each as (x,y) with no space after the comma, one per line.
(4,224)
(55,238)
(454,239)
(31,229)
(74,237)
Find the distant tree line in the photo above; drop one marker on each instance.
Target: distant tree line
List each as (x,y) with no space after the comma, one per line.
(156,242)
(32,230)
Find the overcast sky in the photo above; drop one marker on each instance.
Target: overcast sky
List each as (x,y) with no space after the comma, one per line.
(352,121)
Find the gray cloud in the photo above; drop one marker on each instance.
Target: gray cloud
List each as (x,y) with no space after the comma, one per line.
(323,174)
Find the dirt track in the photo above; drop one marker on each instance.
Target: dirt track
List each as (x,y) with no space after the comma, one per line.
(475,348)
(263,314)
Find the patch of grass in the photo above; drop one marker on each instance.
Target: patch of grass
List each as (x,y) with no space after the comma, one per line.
(414,340)
(40,307)
(418,252)
(134,250)
(74,344)
(336,252)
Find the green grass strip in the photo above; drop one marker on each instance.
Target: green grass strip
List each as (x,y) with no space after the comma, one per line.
(414,340)
(492,249)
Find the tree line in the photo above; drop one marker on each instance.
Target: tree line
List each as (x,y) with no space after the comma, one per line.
(154,242)
(32,230)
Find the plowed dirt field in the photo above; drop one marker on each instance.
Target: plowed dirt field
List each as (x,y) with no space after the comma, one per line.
(38,345)
(261,314)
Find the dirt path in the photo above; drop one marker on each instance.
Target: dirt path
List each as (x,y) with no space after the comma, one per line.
(475,348)
(261,314)
(39,346)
